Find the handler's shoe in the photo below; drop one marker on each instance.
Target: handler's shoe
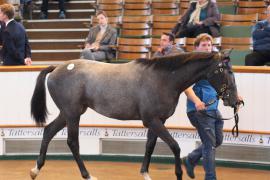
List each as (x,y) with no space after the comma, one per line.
(189,167)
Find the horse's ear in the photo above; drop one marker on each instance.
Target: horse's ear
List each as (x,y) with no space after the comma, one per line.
(226,53)
(226,57)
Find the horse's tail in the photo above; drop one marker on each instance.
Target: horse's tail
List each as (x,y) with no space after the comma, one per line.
(38,102)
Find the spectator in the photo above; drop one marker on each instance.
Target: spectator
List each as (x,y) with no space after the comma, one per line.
(201,17)
(44,9)
(167,46)
(100,39)
(210,130)
(261,43)
(2,26)
(16,49)
(26,7)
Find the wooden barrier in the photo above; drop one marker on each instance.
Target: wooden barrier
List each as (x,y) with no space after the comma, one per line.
(238,69)
(3,2)
(21,68)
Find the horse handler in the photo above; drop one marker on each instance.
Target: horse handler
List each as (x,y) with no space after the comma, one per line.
(210,126)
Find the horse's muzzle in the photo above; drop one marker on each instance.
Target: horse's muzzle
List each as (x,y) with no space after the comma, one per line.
(238,104)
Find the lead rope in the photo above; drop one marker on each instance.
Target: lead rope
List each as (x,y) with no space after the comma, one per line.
(235,130)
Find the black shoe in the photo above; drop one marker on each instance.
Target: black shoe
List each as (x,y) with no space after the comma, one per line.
(43,15)
(62,15)
(189,167)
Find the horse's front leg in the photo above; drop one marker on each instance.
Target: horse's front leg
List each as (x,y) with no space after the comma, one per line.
(73,143)
(160,130)
(149,148)
(49,132)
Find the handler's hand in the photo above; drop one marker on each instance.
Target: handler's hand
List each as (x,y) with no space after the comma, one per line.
(200,106)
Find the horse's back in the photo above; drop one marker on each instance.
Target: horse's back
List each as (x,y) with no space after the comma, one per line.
(82,72)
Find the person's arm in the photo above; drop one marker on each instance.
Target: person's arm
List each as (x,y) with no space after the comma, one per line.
(157,54)
(27,58)
(176,50)
(212,17)
(111,43)
(27,48)
(89,38)
(259,31)
(195,99)
(1,31)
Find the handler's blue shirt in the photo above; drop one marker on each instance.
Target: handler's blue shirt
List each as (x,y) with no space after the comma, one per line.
(206,93)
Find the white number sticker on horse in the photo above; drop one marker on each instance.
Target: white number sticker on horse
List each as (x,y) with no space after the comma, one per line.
(70,66)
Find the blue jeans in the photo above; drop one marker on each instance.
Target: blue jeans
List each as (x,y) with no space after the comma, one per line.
(211,134)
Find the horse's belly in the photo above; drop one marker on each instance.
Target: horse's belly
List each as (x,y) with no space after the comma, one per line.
(119,114)
(116,109)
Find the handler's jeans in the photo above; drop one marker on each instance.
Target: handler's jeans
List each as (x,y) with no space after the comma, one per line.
(211,134)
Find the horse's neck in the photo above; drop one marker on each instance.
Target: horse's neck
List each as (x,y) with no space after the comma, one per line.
(191,73)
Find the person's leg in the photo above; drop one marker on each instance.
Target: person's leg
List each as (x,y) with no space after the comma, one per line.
(96,55)
(44,9)
(62,10)
(192,159)
(99,55)
(26,8)
(208,138)
(86,54)
(183,32)
(196,154)
(266,57)
(201,29)
(254,59)
(21,9)
(61,5)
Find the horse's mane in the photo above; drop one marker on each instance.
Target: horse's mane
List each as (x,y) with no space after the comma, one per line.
(174,62)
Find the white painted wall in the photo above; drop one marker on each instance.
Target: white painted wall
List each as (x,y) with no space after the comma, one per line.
(17,88)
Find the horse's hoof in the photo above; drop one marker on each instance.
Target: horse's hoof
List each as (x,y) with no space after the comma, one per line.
(33,175)
(34,172)
(92,178)
(146,176)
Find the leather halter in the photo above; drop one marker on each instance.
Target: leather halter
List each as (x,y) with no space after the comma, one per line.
(221,95)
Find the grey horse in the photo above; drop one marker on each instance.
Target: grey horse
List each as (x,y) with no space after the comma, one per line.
(142,89)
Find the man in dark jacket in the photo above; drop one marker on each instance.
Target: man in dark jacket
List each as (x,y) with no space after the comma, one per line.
(202,16)
(2,26)
(261,43)
(16,49)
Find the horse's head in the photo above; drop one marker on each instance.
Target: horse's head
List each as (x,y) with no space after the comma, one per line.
(221,77)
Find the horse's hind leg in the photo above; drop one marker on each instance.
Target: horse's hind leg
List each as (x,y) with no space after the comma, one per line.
(160,130)
(73,143)
(49,132)
(149,148)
